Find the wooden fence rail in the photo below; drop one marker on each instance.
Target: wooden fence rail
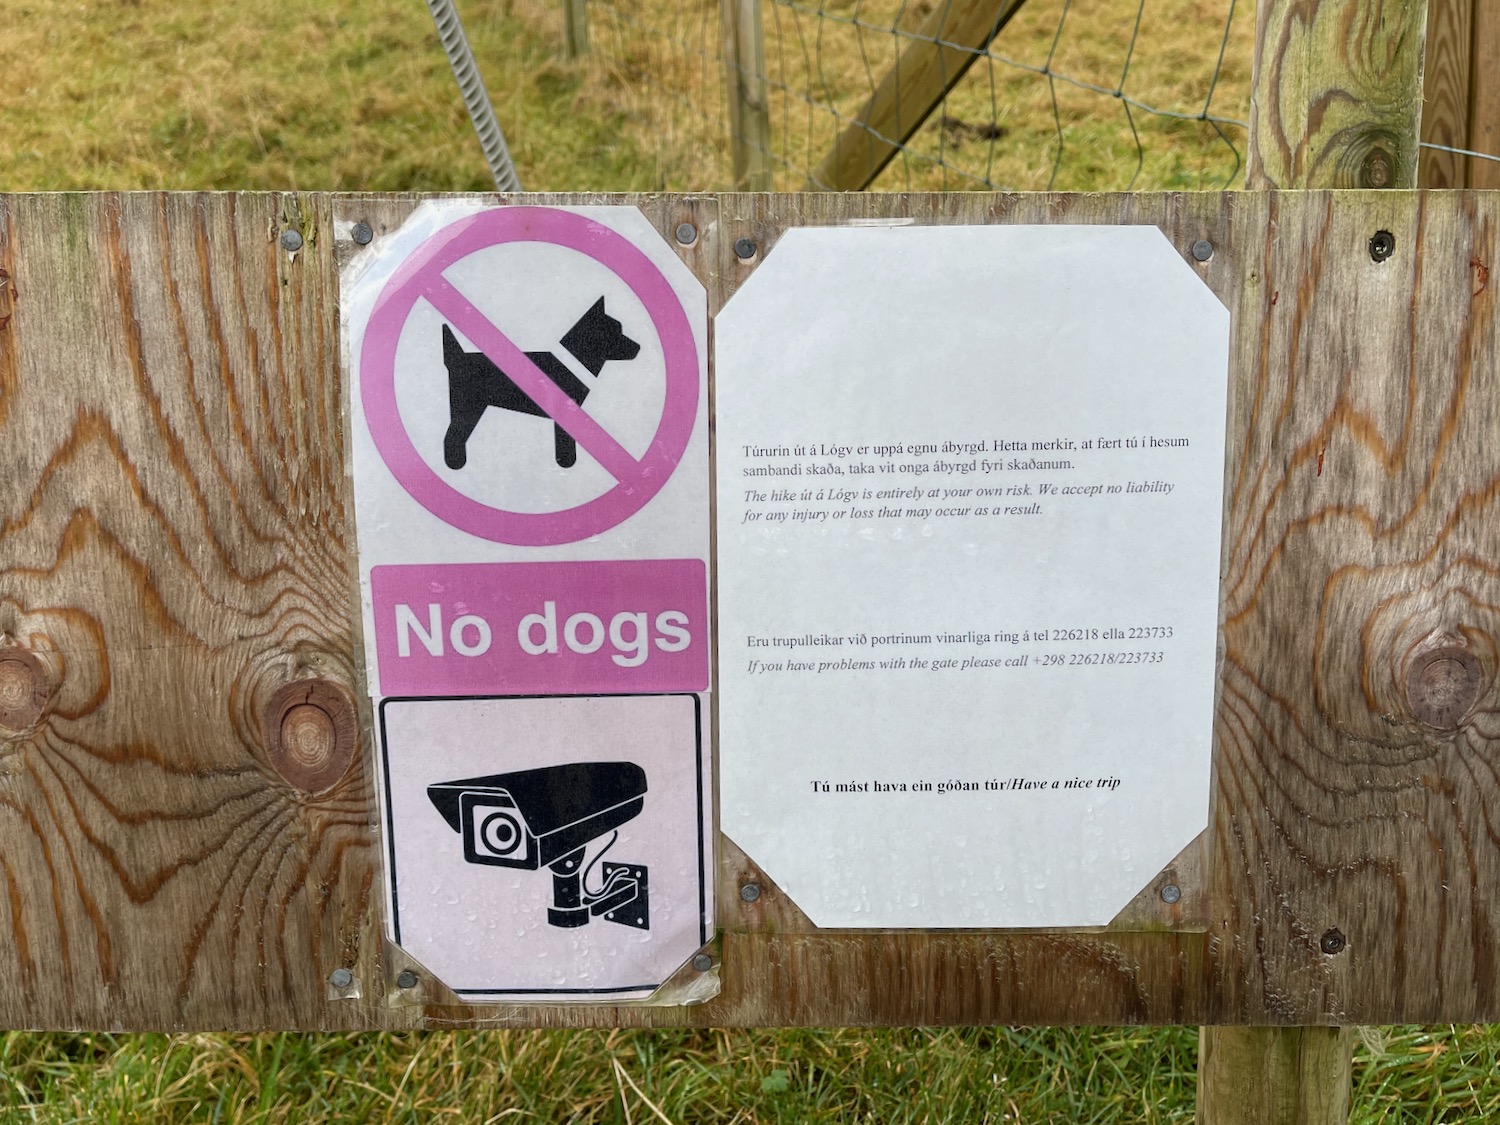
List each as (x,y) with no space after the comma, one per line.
(189,838)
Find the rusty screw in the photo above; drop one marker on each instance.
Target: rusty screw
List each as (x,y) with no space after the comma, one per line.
(1376,170)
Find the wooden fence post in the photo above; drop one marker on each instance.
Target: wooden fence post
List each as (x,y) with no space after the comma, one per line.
(745,78)
(1484,109)
(1461,94)
(951,38)
(1274,1075)
(1337,94)
(1337,103)
(576,27)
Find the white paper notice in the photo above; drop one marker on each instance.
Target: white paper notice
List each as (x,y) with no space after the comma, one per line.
(969,501)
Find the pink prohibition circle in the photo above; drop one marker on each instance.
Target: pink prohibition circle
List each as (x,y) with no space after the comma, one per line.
(377,368)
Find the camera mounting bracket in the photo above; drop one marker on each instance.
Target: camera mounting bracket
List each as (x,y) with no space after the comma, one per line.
(623,899)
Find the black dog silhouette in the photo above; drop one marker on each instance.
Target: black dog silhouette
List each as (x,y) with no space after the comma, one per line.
(475,383)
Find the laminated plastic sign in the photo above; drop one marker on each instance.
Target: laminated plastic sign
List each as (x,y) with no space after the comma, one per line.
(530,450)
(969,521)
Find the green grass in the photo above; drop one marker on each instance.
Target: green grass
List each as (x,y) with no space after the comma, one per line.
(1077,1076)
(256,94)
(791,1076)
(356,95)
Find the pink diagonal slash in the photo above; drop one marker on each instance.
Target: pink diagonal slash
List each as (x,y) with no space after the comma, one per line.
(459,311)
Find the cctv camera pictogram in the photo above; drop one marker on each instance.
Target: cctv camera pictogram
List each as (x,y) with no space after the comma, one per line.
(548,817)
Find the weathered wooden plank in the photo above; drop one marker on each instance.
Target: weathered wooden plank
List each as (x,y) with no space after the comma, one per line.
(1447,92)
(1461,94)
(950,39)
(1338,86)
(175,550)
(1335,105)
(1363,428)
(1484,111)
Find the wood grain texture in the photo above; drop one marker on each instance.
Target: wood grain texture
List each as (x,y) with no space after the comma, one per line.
(1484,109)
(745,93)
(1338,86)
(1274,1076)
(1447,92)
(174,544)
(1461,94)
(175,549)
(1367,434)
(1335,105)
(938,54)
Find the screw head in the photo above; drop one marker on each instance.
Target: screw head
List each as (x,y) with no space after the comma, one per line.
(1333,941)
(750,892)
(361,233)
(744,248)
(1203,250)
(1376,170)
(291,240)
(703,962)
(1382,245)
(341,978)
(1171,893)
(687,234)
(406,979)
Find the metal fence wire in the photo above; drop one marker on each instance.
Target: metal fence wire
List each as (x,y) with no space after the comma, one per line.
(939,94)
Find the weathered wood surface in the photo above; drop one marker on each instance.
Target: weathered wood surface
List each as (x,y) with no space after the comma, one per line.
(745,93)
(1336,104)
(1274,1075)
(1484,109)
(576,27)
(175,550)
(1338,84)
(953,36)
(1461,94)
(1447,84)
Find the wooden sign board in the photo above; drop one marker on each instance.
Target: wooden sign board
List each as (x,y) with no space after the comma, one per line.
(188,825)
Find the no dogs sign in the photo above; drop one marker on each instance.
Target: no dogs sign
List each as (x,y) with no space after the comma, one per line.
(531,492)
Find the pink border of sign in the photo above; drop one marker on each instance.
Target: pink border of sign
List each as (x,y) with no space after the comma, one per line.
(423,269)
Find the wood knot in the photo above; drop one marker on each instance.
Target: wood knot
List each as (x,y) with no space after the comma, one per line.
(311,732)
(1442,686)
(23,689)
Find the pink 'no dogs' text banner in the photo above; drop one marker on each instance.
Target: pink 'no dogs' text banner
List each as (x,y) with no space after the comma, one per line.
(541,628)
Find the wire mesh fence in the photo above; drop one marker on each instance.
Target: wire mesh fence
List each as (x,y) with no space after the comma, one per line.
(937,94)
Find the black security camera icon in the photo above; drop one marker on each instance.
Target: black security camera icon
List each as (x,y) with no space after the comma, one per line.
(546,818)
